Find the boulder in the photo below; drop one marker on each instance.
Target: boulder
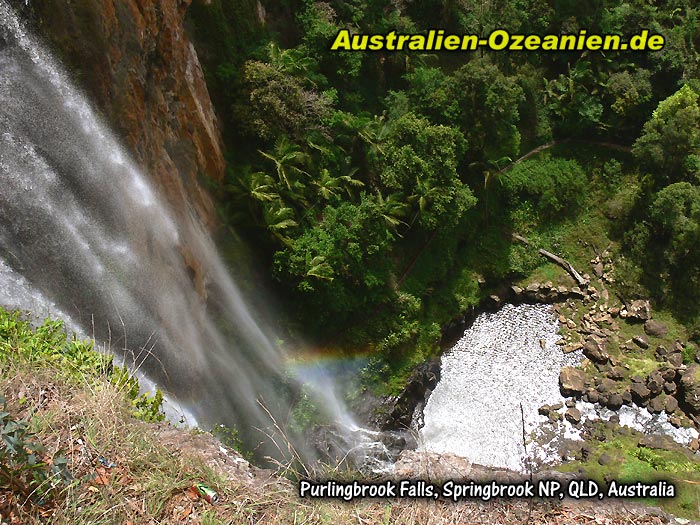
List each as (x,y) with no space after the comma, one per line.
(670,404)
(655,382)
(573,416)
(533,287)
(690,388)
(592,396)
(577,293)
(639,310)
(655,328)
(605,459)
(668,373)
(627,397)
(657,442)
(615,401)
(670,388)
(641,341)
(598,270)
(640,393)
(595,351)
(572,381)
(607,386)
(656,405)
(616,373)
(676,359)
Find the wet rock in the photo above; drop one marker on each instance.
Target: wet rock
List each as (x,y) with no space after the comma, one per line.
(572,381)
(641,341)
(573,416)
(655,328)
(495,301)
(593,396)
(640,392)
(546,410)
(615,402)
(397,412)
(627,397)
(595,351)
(656,405)
(670,404)
(690,388)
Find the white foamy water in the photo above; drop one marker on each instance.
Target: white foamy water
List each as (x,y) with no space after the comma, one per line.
(639,419)
(504,360)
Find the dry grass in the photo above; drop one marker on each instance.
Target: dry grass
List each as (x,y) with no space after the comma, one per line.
(152,477)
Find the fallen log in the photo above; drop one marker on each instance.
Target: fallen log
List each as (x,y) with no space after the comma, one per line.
(566,265)
(583,283)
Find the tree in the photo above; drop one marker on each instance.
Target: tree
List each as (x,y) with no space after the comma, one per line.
(669,147)
(420,159)
(478,99)
(341,265)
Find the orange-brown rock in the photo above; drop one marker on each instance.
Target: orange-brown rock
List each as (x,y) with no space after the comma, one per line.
(136,62)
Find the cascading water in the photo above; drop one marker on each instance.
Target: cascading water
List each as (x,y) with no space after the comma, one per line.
(504,360)
(82,230)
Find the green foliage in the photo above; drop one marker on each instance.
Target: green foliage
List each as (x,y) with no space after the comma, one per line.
(669,147)
(420,161)
(26,469)
(340,263)
(77,361)
(554,187)
(358,174)
(478,99)
(281,98)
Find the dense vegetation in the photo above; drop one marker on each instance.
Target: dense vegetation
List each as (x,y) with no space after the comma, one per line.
(380,186)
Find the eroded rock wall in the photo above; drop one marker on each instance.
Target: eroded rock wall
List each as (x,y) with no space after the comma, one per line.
(138,65)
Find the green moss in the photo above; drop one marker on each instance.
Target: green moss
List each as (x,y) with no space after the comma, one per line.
(627,462)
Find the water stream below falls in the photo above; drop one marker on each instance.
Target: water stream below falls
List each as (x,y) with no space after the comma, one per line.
(505,360)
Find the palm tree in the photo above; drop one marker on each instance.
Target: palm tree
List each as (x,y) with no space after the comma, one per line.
(278,219)
(326,185)
(287,158)
(392,209)
(319,268)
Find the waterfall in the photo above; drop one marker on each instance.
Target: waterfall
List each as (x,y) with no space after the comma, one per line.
(84,235)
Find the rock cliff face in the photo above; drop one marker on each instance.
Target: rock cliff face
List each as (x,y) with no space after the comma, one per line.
(138,65)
